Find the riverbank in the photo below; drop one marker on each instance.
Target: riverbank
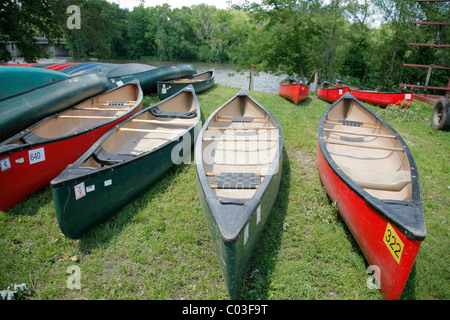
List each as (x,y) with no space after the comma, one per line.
(226,74)
(159,247)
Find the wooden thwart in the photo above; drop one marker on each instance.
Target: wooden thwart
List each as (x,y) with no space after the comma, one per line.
(361,133)
(230,128)
(148,130)
(239,140)
(101,109)
(161,122)
(363,146)
(86,117)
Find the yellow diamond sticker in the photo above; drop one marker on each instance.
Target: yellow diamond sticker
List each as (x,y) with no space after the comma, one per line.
(393,243)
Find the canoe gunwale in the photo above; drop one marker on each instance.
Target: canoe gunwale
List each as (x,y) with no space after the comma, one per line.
(250,204)
(73,173)
(384,207)
(6,148)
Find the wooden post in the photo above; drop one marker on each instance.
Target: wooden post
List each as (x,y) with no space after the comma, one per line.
(252,69)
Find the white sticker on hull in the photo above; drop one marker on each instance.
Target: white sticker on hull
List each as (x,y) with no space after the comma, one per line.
(36,155)
(5,164)
(80,191)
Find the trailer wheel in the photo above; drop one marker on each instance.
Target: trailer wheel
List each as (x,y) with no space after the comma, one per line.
(440,117)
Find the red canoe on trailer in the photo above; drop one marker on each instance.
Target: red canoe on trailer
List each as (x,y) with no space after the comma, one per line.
(32,158)
(378,98)
(329,92)
(368,169)
(293,90)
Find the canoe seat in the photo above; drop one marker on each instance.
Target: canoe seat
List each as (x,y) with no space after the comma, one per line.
(229,180)
(32,138)
(376,180)
(242,119)
(104,157)
(165,114)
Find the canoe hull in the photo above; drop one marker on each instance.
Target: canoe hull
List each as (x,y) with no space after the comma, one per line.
(236,221)
(168,88)
(368,227)
(148,79)
(85,196)
(112,189)
(332,94)
(294,92)
(22,110)
(27,168)
(383,99)
(14,80)
(234,256)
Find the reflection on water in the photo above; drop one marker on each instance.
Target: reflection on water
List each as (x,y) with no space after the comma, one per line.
(226,74)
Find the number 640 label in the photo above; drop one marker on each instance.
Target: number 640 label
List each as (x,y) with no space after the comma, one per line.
(393,243)
(36,155)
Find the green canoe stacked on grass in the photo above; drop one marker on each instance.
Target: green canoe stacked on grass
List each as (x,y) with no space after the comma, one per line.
(20,111)
(201,82)
(149,78)
(16,79)
(238,157)
(125,162)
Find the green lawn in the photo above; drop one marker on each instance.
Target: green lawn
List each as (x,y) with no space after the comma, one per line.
(158,246)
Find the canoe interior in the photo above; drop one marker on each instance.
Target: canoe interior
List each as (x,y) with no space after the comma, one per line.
(240,138)
(367,151)
(146,132)
(289,82)
(88,114)
(198,77)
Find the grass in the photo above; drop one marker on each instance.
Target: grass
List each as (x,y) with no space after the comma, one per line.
(158,246)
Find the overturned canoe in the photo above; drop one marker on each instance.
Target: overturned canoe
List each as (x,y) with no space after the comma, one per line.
(293,90)
(32,158)
(125,162)
(368,169)
(149,78)
(14,80)
(19,111)
(379,98)
(201,82)
(238,157)
(329,92)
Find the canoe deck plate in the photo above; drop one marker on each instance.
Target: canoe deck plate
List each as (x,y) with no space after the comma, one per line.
(231,180)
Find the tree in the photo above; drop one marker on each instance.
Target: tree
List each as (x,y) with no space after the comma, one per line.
(23,20)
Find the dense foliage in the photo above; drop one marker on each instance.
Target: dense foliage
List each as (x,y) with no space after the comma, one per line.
(361,41)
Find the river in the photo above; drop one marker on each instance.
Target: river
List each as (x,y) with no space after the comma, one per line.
(226,74)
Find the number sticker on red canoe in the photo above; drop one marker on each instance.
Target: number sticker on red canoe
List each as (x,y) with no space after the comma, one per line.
(393,243)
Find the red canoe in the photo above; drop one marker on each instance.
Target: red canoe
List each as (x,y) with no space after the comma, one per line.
(32,158)
(368,169)
(329,92)
(293,91)
(60,66)
(378,98)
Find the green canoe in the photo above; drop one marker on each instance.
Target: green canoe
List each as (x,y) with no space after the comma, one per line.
(15,79)
(238,158)
(201,81)
(125,162)
(149,78)
(22,110)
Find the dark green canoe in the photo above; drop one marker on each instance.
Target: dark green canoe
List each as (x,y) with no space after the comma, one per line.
(238,157)
(201,81)
(22,110)
(125,162)
(15,79)
(149,78)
